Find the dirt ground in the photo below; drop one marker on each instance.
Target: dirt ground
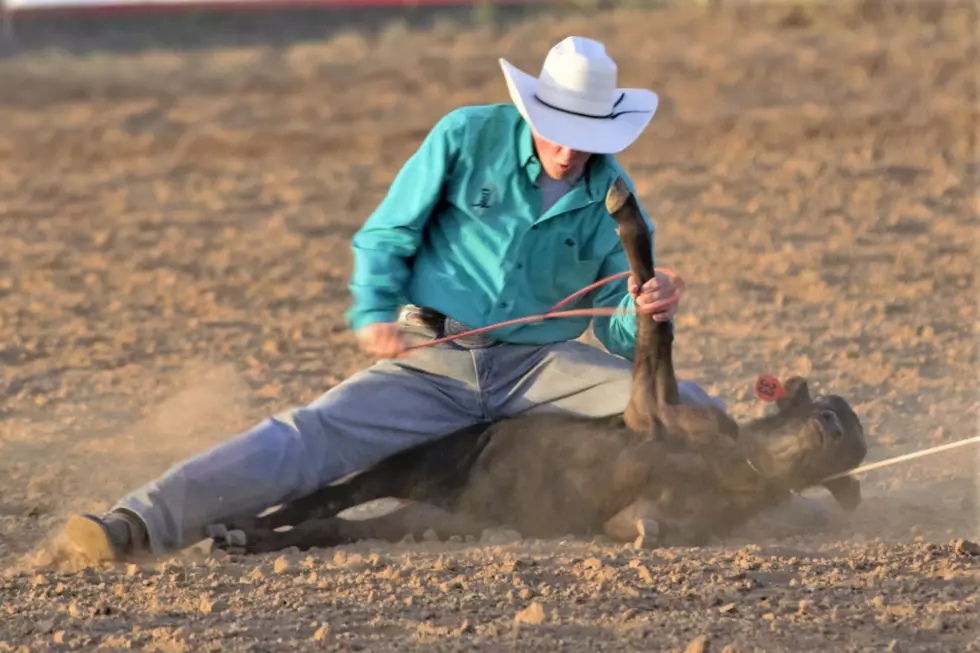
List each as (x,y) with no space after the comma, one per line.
(174,230)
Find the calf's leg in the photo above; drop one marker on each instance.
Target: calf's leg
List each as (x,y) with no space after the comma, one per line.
(413,519)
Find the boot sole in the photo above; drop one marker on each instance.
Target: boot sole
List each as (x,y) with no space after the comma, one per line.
(91,538)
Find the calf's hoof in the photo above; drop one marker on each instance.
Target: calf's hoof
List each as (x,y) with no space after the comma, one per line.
(226,539)
(649,534)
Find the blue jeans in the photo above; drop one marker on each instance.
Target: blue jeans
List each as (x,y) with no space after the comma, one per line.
(379,411)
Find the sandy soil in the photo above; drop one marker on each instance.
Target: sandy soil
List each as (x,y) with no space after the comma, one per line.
(175,233)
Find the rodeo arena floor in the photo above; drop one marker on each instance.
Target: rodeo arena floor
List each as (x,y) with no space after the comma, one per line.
(177,197)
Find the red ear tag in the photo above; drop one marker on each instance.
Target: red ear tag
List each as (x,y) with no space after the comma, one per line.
(768,388)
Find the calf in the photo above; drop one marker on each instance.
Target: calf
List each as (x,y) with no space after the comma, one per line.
(698,471)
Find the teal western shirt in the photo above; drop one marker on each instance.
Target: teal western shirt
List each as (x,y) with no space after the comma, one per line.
(461,231)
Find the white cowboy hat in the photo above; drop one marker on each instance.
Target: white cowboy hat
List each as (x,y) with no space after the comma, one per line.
(576,103)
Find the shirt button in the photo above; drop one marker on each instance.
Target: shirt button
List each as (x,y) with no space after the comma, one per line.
(520,266)
(503,304)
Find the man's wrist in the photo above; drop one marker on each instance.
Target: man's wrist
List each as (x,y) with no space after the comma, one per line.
(360,319)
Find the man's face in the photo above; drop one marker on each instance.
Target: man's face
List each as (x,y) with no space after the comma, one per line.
(560,162)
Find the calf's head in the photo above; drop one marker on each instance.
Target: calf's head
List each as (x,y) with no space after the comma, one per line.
(808,440)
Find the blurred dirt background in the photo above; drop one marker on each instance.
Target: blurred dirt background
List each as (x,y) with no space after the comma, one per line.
(174,229)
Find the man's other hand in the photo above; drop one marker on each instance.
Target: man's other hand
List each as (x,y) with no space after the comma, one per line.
(658,297)
(382,339)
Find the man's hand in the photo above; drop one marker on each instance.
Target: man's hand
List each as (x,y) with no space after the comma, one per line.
(658,297)
(382,339)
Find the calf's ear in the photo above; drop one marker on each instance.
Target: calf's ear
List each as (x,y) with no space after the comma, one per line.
(797,393)
(846,491)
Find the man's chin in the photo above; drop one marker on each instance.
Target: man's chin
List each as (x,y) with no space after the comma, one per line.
(566,174)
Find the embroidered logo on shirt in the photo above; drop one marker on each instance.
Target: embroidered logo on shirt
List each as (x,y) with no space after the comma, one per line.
(484,201)
(485,198)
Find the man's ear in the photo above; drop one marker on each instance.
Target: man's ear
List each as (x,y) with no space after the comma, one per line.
(846,491)
(797,393)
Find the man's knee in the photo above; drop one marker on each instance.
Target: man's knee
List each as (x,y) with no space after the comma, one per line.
(603,381)
(692,393)
(286,418)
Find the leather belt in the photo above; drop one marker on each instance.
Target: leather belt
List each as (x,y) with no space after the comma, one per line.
(445,326)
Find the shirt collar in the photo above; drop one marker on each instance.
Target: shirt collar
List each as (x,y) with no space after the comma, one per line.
(525,152)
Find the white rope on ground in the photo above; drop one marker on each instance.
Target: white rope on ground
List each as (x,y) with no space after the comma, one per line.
(909,456)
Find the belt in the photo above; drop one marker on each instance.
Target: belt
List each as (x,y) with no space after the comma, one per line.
(444,326)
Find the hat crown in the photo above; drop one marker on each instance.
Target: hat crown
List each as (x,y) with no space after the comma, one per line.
(578,76)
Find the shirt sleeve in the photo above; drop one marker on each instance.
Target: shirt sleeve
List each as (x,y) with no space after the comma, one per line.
(618,333)
(384,246)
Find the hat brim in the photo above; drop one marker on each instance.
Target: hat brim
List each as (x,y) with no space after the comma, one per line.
(596,135)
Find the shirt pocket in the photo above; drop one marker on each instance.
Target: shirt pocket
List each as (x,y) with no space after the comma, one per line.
(560,266)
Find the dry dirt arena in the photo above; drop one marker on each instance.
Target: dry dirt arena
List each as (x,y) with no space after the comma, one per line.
(174,229)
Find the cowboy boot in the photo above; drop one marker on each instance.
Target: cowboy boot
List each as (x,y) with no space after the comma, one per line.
(112,537)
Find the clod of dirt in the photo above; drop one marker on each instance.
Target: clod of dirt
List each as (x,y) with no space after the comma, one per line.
(966,548)
(644,573)
(210,605)
(321,633)
(699,644)
(281,565)
(532,614)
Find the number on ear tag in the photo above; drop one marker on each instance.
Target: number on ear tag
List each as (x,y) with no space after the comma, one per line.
(768,388)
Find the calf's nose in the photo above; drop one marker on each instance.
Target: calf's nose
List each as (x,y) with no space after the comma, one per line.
(830,424)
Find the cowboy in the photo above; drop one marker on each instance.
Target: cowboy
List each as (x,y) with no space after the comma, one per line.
(499,214)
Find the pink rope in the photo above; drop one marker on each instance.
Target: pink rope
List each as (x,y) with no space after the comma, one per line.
(553,312)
